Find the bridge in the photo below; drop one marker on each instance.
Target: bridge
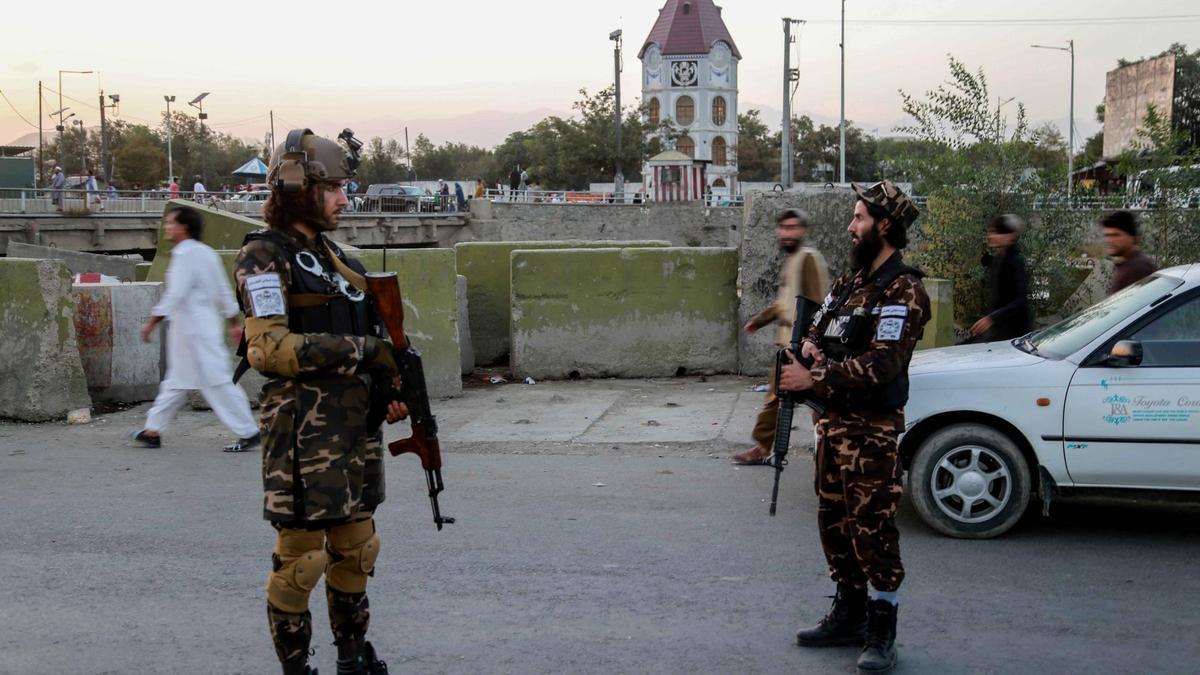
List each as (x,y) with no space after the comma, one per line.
(128,222)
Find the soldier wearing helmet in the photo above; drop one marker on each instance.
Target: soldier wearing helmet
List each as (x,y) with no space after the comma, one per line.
(316,336)
(861,342)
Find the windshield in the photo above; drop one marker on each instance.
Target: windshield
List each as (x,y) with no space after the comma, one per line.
(1074,333)
(410,190)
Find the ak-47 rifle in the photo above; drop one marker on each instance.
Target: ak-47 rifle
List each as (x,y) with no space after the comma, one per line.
(384,288)
(805,309)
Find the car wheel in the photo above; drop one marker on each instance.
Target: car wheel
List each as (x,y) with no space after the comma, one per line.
(969,481)
(412,208)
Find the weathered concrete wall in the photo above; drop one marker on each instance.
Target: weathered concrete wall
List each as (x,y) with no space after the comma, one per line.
(108,319)
(222,231)
(41,376)
(489,289)
(633,312)
(681,224)
(466,351)
(120,267)
(939,331)
(141,271)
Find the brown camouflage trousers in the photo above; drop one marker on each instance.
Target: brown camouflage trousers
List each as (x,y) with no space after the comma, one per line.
(858,491)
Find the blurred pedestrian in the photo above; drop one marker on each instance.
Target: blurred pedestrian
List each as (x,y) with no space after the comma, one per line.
(1009,315)
(804,272)
(93,190)
(524,185)
(479,188)
(199,190)
(197,301)
(1121,243)
(514,182)
(460,197)
(173,189)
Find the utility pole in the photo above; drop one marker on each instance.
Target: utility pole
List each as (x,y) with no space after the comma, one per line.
(170,159)
(412,171)
(618,177)
(105,155)
(41,177)
(1070,49)
(842,125)
(198,104)
(82,147)
(272,131)
(790,75)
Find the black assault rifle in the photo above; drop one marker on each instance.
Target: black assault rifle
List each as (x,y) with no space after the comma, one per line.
(788,400)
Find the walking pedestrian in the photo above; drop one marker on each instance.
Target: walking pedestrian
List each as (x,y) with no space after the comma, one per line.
(514,182)
(1008,312)
(93,190)
(173,189)
(199,190)
(1121,243)
(861,344)
(803,272)
(314,333)
(523,186)
(197,302)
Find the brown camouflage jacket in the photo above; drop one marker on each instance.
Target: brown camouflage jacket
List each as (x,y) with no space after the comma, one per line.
(319,462)
(895,329)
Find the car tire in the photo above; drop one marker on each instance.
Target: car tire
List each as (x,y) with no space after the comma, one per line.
(412,208)
(970,481)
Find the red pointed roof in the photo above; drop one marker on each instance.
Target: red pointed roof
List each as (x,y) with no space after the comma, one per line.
(689,27)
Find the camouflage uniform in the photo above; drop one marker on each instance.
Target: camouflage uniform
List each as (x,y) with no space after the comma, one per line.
(322,468)
(857,465)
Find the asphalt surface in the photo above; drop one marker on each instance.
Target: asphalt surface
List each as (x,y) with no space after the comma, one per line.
(608,548)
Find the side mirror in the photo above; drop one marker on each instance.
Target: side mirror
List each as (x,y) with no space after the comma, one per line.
(1125,354)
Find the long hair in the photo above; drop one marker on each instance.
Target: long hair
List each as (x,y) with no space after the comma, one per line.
(896,235)
(284,209)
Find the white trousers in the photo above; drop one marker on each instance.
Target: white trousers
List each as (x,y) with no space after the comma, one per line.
(227,400)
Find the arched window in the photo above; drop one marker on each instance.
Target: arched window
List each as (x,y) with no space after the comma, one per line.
(687,146)
(655,111)
(719,151)
(685,110)
(718,116)
(720,182)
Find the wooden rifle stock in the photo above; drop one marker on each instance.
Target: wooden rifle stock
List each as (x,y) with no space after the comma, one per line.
(384,288)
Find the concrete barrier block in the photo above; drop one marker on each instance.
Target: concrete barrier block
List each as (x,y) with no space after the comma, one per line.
(633,312)
(78,262)
(119,367)
(466,353)
(41,375)
(222,231)
(141,271)
(939,330)
(486,267)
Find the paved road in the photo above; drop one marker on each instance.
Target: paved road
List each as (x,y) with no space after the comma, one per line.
(611,547)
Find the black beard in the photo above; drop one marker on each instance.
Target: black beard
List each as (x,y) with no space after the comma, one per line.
(863,253)
(790,246)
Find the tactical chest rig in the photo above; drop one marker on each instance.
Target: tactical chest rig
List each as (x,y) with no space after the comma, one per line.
(320,298)
(846,333)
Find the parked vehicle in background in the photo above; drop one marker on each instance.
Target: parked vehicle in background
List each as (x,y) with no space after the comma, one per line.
(396,198)
(1105,403)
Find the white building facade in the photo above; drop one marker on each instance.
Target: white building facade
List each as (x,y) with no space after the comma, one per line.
(689,79)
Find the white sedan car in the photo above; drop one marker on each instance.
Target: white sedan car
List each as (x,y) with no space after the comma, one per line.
(1104,403)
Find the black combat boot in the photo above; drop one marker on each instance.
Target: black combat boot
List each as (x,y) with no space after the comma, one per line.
(845,624)
(298,667)
(356,656)
(879,652)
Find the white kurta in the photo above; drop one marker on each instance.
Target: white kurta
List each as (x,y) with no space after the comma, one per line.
(197,303)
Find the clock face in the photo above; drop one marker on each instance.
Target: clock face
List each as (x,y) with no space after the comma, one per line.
(653,57)
(684,74)
(720,53)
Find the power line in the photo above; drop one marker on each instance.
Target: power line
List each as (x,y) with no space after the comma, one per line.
(1075,21)
(14,109)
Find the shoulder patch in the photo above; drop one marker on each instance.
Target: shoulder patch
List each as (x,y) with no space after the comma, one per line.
(266,295)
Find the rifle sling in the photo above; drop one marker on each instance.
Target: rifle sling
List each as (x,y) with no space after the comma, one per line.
(356,280)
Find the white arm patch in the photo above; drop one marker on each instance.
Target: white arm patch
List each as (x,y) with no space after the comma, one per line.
(266,295)
(894,310)
(890,329)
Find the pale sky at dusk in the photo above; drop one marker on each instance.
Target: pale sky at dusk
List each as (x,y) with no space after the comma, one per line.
(379,67)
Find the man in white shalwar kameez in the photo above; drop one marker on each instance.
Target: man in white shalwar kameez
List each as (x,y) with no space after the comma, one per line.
(198,301)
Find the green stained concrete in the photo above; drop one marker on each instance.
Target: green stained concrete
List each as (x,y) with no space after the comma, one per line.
(141,271)
(486,267)
(222,231)
(939,331)
(633,312)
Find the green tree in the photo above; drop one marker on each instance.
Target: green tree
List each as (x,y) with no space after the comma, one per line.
(817,150)
(758,158)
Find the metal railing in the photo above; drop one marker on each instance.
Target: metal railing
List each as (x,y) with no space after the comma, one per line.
(593,197)
(76,201)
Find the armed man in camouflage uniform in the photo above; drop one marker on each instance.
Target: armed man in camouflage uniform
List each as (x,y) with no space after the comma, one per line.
(319,341)
(861,341)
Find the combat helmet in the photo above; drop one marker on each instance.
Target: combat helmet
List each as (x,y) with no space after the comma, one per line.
(304,158)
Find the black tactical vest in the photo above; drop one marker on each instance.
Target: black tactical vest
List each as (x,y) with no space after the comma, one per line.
(847,333)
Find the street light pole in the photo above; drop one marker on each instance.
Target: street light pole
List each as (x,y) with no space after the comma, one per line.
(790,75)
(618,177)
(61,156)
(198,103)
(1000,104)
(82,147)
(842,125)
(1070,49)
(170,159)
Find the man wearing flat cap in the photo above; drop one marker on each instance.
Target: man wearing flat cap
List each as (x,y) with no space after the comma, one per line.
(861,342)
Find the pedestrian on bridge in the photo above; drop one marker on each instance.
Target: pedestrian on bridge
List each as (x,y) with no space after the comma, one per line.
(57,181)
(197,301)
